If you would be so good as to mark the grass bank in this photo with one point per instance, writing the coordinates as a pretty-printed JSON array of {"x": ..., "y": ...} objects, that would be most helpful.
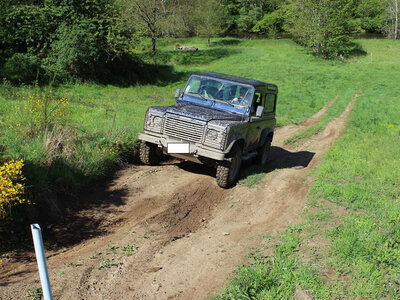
[{"x": 348, "y": 245}]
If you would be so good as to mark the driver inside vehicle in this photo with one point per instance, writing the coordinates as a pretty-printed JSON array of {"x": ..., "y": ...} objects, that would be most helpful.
[{"x": 242, "y": 99}]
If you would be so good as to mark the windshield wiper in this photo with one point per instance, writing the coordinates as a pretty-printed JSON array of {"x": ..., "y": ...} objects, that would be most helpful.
[{"x": 224, "y": 102}]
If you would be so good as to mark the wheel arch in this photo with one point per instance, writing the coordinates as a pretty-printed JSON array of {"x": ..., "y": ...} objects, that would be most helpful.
[
  {"x": 267, "y": 133},
  {"x": 239, "y": 142}
]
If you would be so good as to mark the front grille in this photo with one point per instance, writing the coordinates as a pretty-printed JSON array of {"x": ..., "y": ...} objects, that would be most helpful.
[{"x": 183, "y": 128}]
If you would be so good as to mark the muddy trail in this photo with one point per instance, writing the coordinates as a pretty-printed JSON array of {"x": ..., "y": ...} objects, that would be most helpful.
[{"x": 169, "y": 232}]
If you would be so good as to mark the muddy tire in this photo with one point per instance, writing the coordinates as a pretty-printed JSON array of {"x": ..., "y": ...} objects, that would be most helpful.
[
  {"x": 150, "y": 154},
  {"x": 263, "y": 152},
  {"x": 228, "y": 172}
]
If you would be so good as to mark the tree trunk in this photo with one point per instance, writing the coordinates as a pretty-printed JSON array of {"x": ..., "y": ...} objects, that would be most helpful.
[
  {"x": 209, "y": 38},
  {"x": 153, "y": 44},
  {"x": 396, "y": 22}
]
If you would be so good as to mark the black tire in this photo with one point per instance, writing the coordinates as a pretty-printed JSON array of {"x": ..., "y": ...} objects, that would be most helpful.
[
  {"x": 150, "y": 154},
  {"x": 228, "y": 172},
  {"x": 263, "y": 152}
]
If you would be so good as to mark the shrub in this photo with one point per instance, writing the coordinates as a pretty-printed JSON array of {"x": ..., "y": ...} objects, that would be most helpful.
[
  {"x": 323, "y": 26},
  {"x": 21, "y": 67},
  {"x": 43, "y": 110},
  {"x": 11, "y": 187}
]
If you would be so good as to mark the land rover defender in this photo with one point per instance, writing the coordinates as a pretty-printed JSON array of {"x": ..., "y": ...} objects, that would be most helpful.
[{"x": 218, "y": 120}]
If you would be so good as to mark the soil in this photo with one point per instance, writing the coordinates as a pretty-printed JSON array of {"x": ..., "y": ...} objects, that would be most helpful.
[{"x": 169, "y": 232}]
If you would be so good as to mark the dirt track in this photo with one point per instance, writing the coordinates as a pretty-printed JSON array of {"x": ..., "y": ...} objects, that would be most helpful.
[{"x": 189, "y": 233}]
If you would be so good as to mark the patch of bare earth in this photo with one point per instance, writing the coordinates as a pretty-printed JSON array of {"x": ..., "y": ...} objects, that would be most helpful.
[{"x": 183, "y": 232}]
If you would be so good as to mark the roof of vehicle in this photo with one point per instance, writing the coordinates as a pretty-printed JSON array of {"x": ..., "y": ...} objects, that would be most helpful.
[{"x": 253, "y": 82}]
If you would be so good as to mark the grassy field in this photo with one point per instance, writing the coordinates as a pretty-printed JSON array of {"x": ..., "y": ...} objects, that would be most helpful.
[
  {"x": 348, "y": 247},
  {"x": 349, "y": 244}
]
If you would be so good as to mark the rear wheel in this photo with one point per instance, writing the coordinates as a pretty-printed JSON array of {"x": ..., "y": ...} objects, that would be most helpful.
[
  {"x": 150, "y": 154},
  {"x": 263, "y": 152},
  {"x": 228, "y": 172}
]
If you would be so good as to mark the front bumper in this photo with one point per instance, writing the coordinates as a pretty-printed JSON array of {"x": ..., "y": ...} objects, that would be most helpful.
[{"x": 195, "y": 149}]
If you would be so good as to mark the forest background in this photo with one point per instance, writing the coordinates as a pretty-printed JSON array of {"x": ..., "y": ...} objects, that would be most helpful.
[{"x": 53, "y": 41}]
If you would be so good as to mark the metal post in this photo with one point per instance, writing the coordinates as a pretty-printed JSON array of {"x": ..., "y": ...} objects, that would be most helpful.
[{"x": 41, "y": 261}]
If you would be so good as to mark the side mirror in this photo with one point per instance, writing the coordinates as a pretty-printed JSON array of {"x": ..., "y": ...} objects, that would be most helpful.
[
  {"x": 259, "y": 111},
  {"x": 177, "y": 93}
]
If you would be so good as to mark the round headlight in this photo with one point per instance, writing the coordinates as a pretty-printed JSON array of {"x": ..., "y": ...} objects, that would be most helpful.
[
  {"x": 157, "y": 121},
  {"x": 212, "y": 134}
]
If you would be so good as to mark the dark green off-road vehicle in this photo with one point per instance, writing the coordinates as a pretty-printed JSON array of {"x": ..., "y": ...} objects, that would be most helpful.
[{"x": 218, "y": 120}]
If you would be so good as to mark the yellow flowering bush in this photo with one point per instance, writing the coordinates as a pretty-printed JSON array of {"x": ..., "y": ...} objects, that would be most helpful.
[
  {"x": 43, "y": 109},
  {"x": 11, "y": 187}
]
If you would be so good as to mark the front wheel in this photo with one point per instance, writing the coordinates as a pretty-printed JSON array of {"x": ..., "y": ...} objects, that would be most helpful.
[
  {"x": 150, "y": 154},
  {"x": 228, "y": 173},
  {"x": 263, "y": 152}
]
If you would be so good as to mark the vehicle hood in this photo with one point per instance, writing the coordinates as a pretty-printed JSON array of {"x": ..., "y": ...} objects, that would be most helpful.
[{"x": 202, "y": 113}]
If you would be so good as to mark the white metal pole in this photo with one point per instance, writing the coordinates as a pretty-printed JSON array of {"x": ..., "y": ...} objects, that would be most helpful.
[{"x": 41, "y": 261}]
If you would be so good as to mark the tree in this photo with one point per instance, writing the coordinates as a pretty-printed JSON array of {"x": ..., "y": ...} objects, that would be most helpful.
[
  {"x": 393, "y": 18},
  {"x": 249, "y": 14},
  {"x": 59, "y": 38},
  {"x": 180, "y": 19},
  {"x": 371, "y": 15},
  {"x": 242, "y": 15},
  {"x": 146, "y": 17},
  {"x": 272, "y": 23},
  {"x": 209, "y": 16},
  {"x": 322, "y": 25}
]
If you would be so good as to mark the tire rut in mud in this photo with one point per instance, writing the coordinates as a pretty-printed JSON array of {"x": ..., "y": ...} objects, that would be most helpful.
[{"x": 189, "y": 210}]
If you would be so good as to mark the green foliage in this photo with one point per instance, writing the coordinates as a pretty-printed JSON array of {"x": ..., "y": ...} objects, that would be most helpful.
[
  {"x": 372, "y": 15},
  {"x": 209, "y": 16},
  {"x": 322, "y": 25},
  {"x": 242, "y": 15},
  {"x": 21, "y": 67},
  {"x": 271, "y": 24},
  {"x": 60, "y": 40},
  {"x": 75, "y": 51},
  {"x": 145, "y": 17}
]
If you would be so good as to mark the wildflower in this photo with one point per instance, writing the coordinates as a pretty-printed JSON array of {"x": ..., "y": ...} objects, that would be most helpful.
[{"x": 11, "y": 188}]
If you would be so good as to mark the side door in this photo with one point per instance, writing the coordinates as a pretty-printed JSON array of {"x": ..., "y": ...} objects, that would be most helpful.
[
  {"x": 269, "y": 119},
  {"x": 256, "y": 124}
]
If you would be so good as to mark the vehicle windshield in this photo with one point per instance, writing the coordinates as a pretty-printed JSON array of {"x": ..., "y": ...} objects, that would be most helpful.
[{"x": 227, "y": 92}]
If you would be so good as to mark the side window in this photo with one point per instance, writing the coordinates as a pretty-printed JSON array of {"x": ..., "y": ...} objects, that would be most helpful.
[
  {"x": 257, "y": 100},
  {"x": 269, "y": 103}
]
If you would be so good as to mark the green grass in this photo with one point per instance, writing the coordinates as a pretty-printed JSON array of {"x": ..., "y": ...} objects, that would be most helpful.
[
  {"x": 333, "y": 112},
  {"x": 353, "y": 254}
]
